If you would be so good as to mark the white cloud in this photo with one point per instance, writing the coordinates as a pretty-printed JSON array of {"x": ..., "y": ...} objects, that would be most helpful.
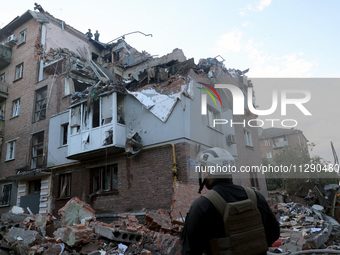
[
  {"x": 261, "y": 62},
  {"x": 230, "y": 41},
  {"x": 259, "y": 7},
  {"x": 263, "y": 4}
]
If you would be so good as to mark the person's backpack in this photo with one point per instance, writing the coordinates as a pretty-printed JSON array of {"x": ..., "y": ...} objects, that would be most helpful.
[{"x": 243, "y": 226}]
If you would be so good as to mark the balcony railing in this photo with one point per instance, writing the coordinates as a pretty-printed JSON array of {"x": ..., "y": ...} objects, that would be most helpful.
[
  {"x": 5, "y": 56},
  {"x": 2, "y": 125},
  {"x": 3, "y": 90}
]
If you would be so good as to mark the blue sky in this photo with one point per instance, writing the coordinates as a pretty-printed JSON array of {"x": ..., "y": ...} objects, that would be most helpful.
[{"x": 274, "y": 38}]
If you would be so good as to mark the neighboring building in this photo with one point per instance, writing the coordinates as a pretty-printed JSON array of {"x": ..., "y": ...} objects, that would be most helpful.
[
  {"x": 274, "y": 140},
  {"x": 35, "y": 92},
  {"x": 106, "y": 123}
]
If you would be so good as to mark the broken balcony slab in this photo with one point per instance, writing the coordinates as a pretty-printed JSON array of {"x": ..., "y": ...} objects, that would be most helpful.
[{"x": 75, "y": 212}]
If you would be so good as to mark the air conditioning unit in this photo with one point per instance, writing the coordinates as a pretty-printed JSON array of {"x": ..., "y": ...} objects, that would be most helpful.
[
  {"x": 231, "y": 139},
  {"x": 11, "y": 38}
]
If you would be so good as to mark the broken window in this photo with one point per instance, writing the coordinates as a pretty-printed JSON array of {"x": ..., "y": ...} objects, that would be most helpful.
[
  {"x": 107, "y": 58},
  {"x": 106, "y": 109},
  {"x": 40, "y": 104},
  {"x": 75, "y": 119},
  {"x": 10, "y": 152},
  {"x": 108, "y": 137},
  {"x": 6, "y": 194},
  {"x": 53, "y": 68},
  {"x": 95, "y": 113},
  {"x": 65, "y": 185},
  {"x": 248, "y": 138},
  {"x": 116, "y": 56},
  {"x": 104, "y": 178},
  {"x": 120, "y": 109},
  {"x": 64, "y": 133},
  {"x": 37, "y": 150},
  {"x": 22, "y": 36},
  {"x": 80, "y": 86},
  {"x": 85, "y": 121},
  {"x": 19, "y": 71},
  {"x": 94, "y": 57},
  {"x": 85, "y": 141},
  {"x": 34, "y": 187},
  {"x": 16, "y": 108}
]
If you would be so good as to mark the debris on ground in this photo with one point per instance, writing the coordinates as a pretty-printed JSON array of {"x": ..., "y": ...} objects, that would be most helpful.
[
  {"x": 307, "y": 221},
  {"x": 78, "y": 232}
]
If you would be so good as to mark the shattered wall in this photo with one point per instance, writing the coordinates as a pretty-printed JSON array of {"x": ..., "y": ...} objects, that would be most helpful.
[{"x": 56, "y": 37}]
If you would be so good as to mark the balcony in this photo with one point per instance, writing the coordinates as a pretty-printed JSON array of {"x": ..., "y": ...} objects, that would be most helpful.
[
  {"x": 97, "y": 131},
  {"x": 3, "y": 91},
  {"x": 5, "y": 56},
  {"x": 2, "y": 125}
]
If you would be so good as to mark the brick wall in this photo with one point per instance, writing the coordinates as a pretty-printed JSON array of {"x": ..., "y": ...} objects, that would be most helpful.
[
  {"x": 20, "y": 126},
  {"x": 144, "y": 181}
]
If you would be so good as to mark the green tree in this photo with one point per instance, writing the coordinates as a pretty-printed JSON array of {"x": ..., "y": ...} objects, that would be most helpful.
[{"x": 306, "y": 171}]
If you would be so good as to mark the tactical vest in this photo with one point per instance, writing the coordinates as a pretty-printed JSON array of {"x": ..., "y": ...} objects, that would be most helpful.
[{"x": 242, "y": 224}]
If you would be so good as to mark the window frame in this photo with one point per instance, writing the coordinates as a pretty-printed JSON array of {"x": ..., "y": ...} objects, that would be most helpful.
[
  {"x": 2, "y": 202},
  {"x": 269, "y": 154},
  {"x": 20, "y": 74},
  {"x": 40, "y": 103},
  {"x": 248, "y": 138},
  {"x": 63, "y": 128},
  {"x": 13, "y": 143},
  {"x": 99, "y": 172},
  {"x": 35, "y": 148},
  {"x": 215, "y": 115},
  {"x": 22, "y": 34},
  {"x": 266, "y": 142},
  {"x": 15, "y": 107},
  {"x": 68, "y": 187}
]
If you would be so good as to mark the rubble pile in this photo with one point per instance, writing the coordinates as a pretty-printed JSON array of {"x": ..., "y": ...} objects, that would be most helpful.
[
  {"x": 78, "y": 232},
  {"x": 306, "y": 225}
]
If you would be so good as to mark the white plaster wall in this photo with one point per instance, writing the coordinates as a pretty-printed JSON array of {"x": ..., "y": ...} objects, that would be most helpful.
[{"x": 56, "y": 153}]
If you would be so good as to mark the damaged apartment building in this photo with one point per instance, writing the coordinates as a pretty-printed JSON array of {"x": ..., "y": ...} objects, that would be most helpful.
[{"x": 116, "y": 127}]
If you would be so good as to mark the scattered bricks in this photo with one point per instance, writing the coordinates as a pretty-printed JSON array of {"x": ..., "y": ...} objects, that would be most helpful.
[
  {"x": 74, "y": 235},
  {"x": 132, "y": 219},
  {"x": 75, "y": 211},
  {"x": 123, "y": 216},
  {"x": 158, "y": 222},
  {"x": 166, "y": 243}
]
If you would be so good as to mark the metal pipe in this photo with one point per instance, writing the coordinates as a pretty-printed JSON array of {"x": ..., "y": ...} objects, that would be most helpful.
[{"x": 174, "y": 169}]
